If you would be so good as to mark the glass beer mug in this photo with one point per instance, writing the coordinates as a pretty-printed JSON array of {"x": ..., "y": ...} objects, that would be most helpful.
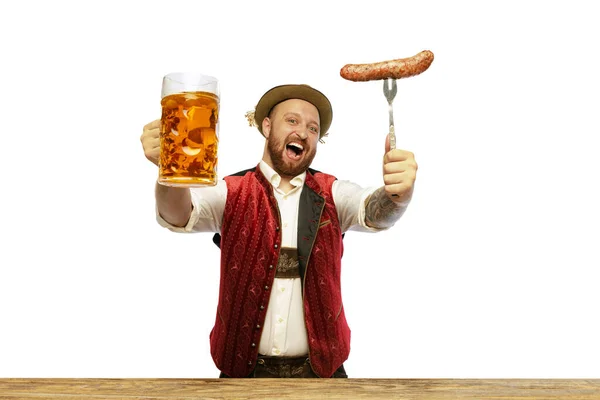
[{"x": 189, "y": 130}]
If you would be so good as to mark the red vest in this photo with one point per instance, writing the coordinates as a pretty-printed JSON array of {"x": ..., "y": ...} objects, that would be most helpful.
[{"x": 250, "y": 244}]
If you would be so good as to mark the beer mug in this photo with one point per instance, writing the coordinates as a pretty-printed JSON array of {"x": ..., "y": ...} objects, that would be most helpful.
[{"x": 189, "y": 130}]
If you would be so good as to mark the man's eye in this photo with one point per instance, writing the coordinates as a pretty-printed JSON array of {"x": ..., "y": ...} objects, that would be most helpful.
[
  {"x": 292, "y": 120},
  {"x": 315, "y": 130}
]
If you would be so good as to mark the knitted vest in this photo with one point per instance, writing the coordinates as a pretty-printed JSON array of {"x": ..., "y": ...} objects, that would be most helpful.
[{"x": 250, "y": 242}]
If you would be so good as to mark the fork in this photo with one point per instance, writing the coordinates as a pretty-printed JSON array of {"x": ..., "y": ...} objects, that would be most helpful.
[{"x": 390, "y": 92}]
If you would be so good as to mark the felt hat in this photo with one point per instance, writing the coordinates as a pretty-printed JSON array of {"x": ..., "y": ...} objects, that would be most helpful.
[{"x": 286, "y": 92}]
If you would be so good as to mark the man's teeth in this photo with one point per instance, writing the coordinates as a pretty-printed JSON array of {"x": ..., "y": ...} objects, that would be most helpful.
[{"x": 296, "y": 145}]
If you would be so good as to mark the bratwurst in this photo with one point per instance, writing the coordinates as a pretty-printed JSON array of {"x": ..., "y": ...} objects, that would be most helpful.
[{"x": 396, "y": 69}]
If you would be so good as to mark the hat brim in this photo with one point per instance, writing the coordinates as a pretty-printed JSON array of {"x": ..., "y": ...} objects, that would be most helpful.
[{"x": 286, "y": 92}]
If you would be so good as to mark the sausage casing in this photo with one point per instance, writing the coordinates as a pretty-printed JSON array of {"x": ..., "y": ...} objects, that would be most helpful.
[{"x": 396, "y": 69}]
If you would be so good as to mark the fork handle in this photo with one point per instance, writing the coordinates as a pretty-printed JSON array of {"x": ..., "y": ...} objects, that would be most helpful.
[{"x": 393, "y": 143}]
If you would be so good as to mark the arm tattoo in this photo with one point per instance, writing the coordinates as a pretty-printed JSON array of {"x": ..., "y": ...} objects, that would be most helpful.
[{"x": 381, "y": 212}]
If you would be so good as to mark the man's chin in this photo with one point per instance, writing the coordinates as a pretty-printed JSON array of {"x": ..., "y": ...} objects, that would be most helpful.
[
  {"x": 291, "y": 168},
  {"x": 292, "y": 171}
]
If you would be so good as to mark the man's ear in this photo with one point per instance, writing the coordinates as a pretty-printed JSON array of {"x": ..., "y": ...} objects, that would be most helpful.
[{"x": 266, "y": 127}]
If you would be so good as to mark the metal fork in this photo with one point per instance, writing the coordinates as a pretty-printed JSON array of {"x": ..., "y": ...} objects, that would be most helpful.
[{"x": 390, "y": 93}]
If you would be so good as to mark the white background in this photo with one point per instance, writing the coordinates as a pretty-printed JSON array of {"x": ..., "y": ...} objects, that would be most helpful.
[{"x": 492, "y": 272}]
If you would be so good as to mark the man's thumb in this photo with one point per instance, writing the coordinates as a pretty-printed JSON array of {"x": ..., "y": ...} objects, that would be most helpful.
[{"x": 387, "y": 143}]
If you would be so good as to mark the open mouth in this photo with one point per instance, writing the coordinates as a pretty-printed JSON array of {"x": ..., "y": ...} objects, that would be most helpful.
[{"x": 294, "y": 150}]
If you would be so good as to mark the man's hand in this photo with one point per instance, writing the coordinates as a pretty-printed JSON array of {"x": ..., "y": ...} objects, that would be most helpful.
[
  {"x": 151, "y": 141},
  {"x": 387, "y": 204},
  {"x": 399, "y": 173},
  {"x": 174, "y": 204}
]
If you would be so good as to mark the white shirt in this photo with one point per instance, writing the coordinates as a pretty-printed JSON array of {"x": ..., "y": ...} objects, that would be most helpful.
[{"x": 284, "y": 330}]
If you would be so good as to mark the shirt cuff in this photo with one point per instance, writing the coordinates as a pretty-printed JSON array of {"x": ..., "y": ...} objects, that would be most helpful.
[
  {"x": 189, "y": 227},
  {"x": 362, "y": 212}
]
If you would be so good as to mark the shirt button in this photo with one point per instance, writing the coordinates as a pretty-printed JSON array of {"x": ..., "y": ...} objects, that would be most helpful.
[
  {"x": 280, "y": 320},
  {"x": 285, "y": 225},
  {"x": 277, "y": 351}
]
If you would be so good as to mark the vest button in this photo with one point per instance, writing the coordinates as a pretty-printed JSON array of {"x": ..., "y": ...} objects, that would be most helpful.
[
  {"x": 253, "y": 344},
  {"x": 266, "y": 287},
  {"x": 249, "y": 362},
  {"x": 276, "y": 246},
  {"x": 276, "y": 228},
  {"x": 271, "y": 266},
  {"x": 257, "y": 326},
  {"x": 262, "y": 307}
]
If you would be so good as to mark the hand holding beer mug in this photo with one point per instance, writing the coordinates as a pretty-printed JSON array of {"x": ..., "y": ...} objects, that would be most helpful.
[{"x": 189, "y": 130}]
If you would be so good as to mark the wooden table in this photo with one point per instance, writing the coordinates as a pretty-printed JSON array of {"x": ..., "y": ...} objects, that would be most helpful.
[{"x": 132, "y": 389}]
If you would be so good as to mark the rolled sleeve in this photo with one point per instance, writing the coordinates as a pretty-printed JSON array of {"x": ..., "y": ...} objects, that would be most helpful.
[
  {"x": 350, "y": 202},
  {"x": 208, "y": 205}
]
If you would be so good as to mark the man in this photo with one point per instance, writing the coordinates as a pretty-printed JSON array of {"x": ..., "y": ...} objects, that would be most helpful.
[{"x": 279, "y": 226}]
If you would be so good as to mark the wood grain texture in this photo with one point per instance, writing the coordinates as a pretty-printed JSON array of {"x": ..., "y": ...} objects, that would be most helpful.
[{"x": 251, "y": 389}]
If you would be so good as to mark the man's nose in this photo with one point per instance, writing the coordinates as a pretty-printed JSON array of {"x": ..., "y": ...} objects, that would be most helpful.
[{"x": 303, "y": 132}]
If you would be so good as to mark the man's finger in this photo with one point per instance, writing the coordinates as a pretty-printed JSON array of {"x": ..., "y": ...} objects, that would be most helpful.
[
  {"x": 397, "y": 155},
  {"x": 391, "y": 179},
  {"x": 398, "y": 188},
  {"x": 153, "y": 143},
  {"x": 394, "y": 167},
  {"x": 153, "y": 124}
]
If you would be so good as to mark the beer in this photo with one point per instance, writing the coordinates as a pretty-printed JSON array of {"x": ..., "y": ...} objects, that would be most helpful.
[{"x": 189, "y": 139}]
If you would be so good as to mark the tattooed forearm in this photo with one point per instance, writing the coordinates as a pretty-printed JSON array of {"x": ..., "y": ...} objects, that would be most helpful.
[{"x": 381, "y": 212}]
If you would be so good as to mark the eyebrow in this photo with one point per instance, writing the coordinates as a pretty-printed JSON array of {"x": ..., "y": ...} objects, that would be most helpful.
[{"x": 312, "y": 121}]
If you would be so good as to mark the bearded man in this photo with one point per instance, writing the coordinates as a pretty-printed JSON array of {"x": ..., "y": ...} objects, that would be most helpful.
[{"x": 279, "y": 226}]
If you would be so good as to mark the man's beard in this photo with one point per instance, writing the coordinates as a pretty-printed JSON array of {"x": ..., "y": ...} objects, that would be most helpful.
[{"x": 287, "y": 167}]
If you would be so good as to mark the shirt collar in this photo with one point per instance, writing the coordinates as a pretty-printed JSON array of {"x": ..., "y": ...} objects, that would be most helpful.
[{"x": 275, "y": 179}]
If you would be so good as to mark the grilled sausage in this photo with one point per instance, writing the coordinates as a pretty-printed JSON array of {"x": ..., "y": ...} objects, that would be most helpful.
[{"x": 397, "y": 69}]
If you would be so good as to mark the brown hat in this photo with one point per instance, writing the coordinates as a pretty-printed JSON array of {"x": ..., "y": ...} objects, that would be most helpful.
[{"x": 286, "y": 92}]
